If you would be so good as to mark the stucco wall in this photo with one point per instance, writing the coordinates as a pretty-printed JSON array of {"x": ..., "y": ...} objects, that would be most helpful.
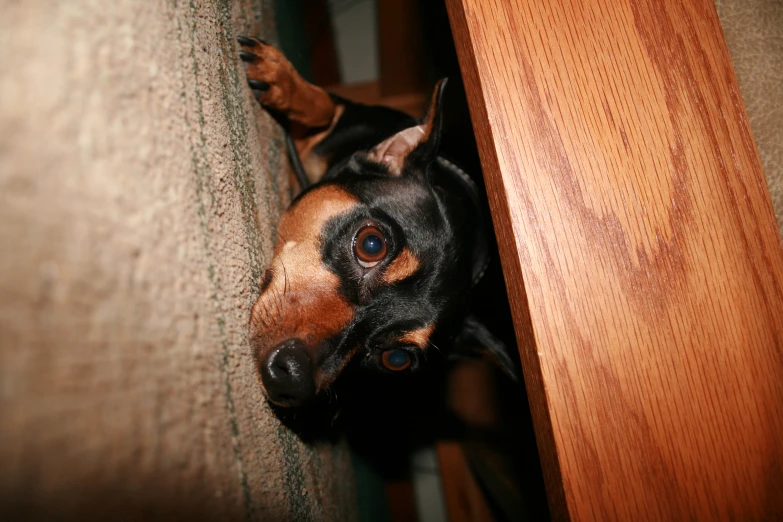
[
  {"x": 754, "y": 35},
  {"x": 139, "y": 188}
]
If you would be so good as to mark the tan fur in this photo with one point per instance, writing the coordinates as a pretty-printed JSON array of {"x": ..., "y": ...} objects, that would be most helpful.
[
  {"x": 310, "y": 110},
  {"x": 419, "y": 337},
  {"x": 315, "y": 166},
  {"x": 303, "y": 103},
  {"x": 393, "y": 151},
  {"x": 404, "y": 265},
  {"x": 429, "y": 120},
  {"x": 302, "y": 301}
]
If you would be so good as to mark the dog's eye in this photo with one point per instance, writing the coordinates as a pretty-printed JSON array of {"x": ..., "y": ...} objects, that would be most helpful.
[
  {"x": 369, "y": 246},
  {"x": 396, "y": 360}
]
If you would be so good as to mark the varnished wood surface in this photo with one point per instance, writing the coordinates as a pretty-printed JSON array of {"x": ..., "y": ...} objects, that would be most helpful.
[
  {"x": 640, "y": 251},
  {"x": 400, "y": 48},
  {"x": 414, "y": 103},
  {"x": 464, "y": 499},
  {"x": 402, "y": 501}
]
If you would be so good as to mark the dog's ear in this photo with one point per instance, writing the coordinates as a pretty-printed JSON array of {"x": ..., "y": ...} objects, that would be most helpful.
[
  {"x": 476, "y": 341},
  {"x": 418, "y": 143}
]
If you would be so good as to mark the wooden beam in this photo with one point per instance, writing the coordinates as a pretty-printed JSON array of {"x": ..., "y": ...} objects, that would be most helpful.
[
  {"x": 401, "y": 54},
  {"x": 640, "y": 250},
  {"x": 414, "y": 103},
  {"x": 465, "y": 502}
]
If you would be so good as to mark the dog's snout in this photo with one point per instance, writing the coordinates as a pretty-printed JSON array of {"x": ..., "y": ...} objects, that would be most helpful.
[{"x": 288, "y": 375}]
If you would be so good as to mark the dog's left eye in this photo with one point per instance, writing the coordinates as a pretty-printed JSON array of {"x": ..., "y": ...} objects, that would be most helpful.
[{"x": 369, "y": 245}]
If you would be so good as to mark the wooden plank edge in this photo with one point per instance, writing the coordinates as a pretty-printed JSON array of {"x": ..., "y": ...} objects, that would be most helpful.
[{"x": 512, "y": 271}]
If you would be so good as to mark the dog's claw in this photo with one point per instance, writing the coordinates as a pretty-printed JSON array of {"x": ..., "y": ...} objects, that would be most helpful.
[
  {"x": 244, "y": 40},
  {"x": 247, "y": 56},
  {"x": 258, "y": 85}
]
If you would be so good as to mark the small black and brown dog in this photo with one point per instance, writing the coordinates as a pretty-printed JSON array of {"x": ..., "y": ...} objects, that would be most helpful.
[
  {"x": 376, "y": 260},
  {"x": 378, "y": 282}
]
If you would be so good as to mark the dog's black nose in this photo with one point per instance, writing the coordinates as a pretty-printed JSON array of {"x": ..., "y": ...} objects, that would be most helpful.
[{"x": 288, "y": 375}]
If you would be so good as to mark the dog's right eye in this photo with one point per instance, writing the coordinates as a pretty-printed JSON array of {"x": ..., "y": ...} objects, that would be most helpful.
[
  {"x": 369, "y": 246},
  {"x": 396, "y": 360}
]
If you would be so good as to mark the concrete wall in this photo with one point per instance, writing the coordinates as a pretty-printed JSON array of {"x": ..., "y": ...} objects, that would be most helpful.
[{"x": 139, "y": 188}]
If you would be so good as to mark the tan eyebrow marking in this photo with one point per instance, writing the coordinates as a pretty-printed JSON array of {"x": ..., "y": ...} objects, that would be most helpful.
[
  {"x": 405, "y": 265},
  {"x": 303, "y": 221},
  {"x": 419, "y": 337}
]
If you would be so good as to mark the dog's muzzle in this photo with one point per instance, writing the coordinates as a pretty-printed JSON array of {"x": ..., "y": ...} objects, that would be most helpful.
[{"x": 287, "y": 374}]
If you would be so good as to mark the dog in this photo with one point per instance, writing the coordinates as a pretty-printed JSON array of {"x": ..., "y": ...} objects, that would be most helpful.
[
  {"x": 383, "y": 267},
  {"x": 376, "y": 260}
]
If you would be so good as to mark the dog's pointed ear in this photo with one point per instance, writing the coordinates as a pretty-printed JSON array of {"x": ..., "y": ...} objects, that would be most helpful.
[
  {"x": 419, "y": 143},
  {"x": 476, "y": 341}
]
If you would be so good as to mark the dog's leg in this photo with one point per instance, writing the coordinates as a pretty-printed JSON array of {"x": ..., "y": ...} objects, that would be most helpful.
[
  {"x": 308, "y": 112},
  {"x": 326, "y": 129},
  {"x": 281, "y": 90}
]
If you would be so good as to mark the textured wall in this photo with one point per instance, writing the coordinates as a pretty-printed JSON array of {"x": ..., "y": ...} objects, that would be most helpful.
[
  {"x": 754, "y": 35},
  {"x": 139, "y": 188}
]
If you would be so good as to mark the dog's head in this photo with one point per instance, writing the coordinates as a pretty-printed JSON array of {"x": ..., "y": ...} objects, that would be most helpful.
[{"x": 372, "y": 268}]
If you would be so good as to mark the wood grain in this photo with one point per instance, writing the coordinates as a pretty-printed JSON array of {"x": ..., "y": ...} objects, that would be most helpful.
[
  {"x": 402, "y": 501},
  {"x": 464, "y": 499},
  {"x": 401, "y": 56},
  {"x": 640, "y": 252},
  {"x": 413, "y": 103}
]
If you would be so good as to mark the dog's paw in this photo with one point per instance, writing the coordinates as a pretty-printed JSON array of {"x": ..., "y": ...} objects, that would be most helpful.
[{"x": 269, "y": 73}]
